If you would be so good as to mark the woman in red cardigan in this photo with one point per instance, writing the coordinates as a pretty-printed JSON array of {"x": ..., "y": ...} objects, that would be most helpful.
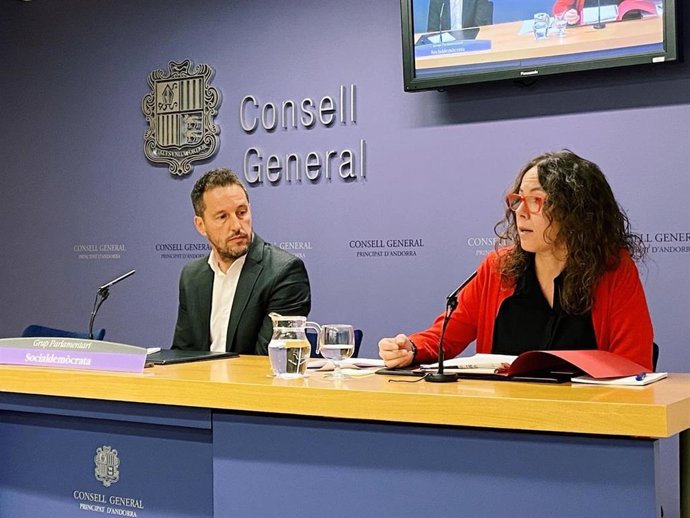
[
  {"x": 572, "y": 9},
  {"x": 566, "y": 279}
]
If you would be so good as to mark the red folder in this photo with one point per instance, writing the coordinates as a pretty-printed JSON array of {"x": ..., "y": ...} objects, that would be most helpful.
[{"x": 597, "y": 364}]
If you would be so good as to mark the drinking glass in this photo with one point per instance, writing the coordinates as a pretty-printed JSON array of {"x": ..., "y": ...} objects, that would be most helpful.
[
  {"x": 336, "y": 343},
  {"x": 560, "y": 24},
  {"x": 541, "y": 25}
]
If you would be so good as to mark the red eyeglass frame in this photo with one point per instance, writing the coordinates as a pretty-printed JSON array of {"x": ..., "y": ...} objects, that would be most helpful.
[{"x": 514, "y": 197}]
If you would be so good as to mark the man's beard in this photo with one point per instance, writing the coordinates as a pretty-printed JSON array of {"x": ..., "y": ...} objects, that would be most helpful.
[{"x": 231, "y": 254}]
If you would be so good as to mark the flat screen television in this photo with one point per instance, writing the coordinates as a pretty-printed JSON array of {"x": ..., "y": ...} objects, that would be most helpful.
[{"x": 452, "y": 42}]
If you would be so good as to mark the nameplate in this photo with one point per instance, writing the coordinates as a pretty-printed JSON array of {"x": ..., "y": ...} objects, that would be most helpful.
[
  {"x": 451, "y": 47},
  {"x": 72, "y": 353}
]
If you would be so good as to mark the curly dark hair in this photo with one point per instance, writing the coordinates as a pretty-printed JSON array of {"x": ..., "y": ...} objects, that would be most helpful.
[
  {"x": 214, "y": 178},
  {"x": 593, "y": 226}
]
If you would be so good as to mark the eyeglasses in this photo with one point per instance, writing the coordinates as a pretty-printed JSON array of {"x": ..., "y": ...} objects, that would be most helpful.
[{"x": 534, "y": 204}]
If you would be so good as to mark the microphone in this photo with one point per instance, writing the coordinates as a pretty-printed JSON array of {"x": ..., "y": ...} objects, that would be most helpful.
[
  {"x": 103, "y": 293},
  {"x": 451, "y": 304},
  {"x": 599, "y": 25},
  {"x": 115, "y": 281},
  {"x": 440, "y": 23}
]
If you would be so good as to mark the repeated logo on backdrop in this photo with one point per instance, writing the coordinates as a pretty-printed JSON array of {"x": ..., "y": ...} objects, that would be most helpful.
[
  {"x": 190, "y": 251},
  {"x": 186, "y": 251},
  {"x": 666, "y": 242},
  {"x": 99, "y": 251},
  {"x": 481, "y": 245},
  {"x": 386, "y": 248},
  {"x": 655, "y": 242},
  {"x": 296, "y": 248}
]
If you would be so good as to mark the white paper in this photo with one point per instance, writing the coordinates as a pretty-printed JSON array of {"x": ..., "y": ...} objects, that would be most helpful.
[
  {"x": 590, "y": 15},
  {"x": 357, "y": 372},
  {"x": 350, "y": 363},
  {"x": 629, "y": 381},
  {"x": 444, "y": 37},
  {"x": 477, "y": 361}
]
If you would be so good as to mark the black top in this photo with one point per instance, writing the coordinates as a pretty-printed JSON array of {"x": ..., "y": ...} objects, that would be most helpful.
[
  {"x": 594, "y": 3},
  {"x": 526, "y": 322}
]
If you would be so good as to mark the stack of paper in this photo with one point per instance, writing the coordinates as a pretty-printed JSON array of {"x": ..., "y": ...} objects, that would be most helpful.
[
  {"x": 480, "y": 361},
  {"x": 629, "y": 381}
]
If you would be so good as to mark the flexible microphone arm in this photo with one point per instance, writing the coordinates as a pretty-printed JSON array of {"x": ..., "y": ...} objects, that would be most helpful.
[
  {"x": 440, "y": 23},
  {"x": 599, "y": 25},
  {"x": 102, "y": 294},
  {"x": 451, "y": 304}
]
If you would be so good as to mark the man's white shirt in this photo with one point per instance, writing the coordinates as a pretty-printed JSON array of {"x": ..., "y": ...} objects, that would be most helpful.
[
  {"x": 456, "y": 14},
  {"x": 224, "y": 289}
]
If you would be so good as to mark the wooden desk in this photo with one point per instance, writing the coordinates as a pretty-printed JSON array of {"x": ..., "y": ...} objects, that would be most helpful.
[
  {"x": 238, "y": 409},
  {"x": 658, "y": 410},
  {"x": 508, "y": 44}
]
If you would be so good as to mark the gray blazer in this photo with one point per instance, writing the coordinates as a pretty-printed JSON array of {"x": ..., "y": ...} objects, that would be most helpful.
[{"x": 271, "y": 280}]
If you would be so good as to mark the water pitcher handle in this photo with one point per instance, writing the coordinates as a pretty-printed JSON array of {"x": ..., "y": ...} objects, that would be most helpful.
[{"x": 317, "y": 328}]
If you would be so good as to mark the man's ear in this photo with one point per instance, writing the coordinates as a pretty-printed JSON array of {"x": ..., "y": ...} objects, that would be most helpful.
[{"x": 199, "y": 224}]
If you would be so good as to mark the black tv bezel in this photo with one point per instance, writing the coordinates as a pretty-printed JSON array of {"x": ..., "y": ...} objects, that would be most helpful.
[{"x": 412, "y": 83}]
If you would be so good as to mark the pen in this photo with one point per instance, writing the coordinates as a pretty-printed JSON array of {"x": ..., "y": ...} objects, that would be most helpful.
[{"x": 641, "y": 376}]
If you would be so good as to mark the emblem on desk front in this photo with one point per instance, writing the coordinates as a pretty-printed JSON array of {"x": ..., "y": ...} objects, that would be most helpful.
[
  {"x": 180, "y": 110},
  {"x": 107, "y": 464}
]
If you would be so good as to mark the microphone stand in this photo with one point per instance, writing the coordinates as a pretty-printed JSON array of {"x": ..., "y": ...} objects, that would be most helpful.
[
  {"x": 599, "y": 25},
  {"x": 102, "y": 294},
  {"x": 440, "y": 24},
  {"x": 451, "y": 304}
]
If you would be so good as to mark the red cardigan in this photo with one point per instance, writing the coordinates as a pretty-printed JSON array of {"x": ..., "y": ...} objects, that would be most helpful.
[
  {"x": 564, "y": 5},
  {"x": 620, "y": 315},
  {"x": 561, "y": 6}
]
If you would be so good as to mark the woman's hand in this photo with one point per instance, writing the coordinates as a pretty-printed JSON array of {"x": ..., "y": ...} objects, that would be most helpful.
[
  {"x": 571, "y": 16},
  {"x": 396, "y": 352}
]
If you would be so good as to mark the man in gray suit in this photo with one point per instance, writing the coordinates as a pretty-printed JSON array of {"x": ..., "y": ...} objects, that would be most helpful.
[
  {"x": 225, "y": 298},
  {"x": 447, "y": 15}
]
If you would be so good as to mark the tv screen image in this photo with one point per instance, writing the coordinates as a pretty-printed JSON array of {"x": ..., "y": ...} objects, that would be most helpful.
[{"x": 452, "y": 42}]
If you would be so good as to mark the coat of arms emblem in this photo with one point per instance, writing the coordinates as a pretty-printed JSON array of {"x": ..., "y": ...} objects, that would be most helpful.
[
  {"x": 107, "y": 464},
  {"x": 180, "y": 110}
]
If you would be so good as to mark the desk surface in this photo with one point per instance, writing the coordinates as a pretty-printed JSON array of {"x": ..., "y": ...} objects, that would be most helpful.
[{"x": 659, "y": 410}]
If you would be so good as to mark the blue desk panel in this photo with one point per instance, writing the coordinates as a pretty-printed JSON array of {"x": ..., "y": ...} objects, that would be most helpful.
[
  {"x": 273, "y": 466},
  {"x": 184, "y": 462},
  {"x": 48, "y": 462}
]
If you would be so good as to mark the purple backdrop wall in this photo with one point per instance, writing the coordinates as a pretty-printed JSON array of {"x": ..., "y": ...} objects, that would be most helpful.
[{"x": 436, "y": 164}]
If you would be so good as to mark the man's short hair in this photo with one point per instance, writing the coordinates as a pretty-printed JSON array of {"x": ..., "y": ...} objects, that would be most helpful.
[{"x": 214, "y": 178}]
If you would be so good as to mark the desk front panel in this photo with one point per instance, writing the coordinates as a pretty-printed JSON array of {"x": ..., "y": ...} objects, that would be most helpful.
[
  {"x": 87, "y": 461},
  {"x": 279, "y": 466}
]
